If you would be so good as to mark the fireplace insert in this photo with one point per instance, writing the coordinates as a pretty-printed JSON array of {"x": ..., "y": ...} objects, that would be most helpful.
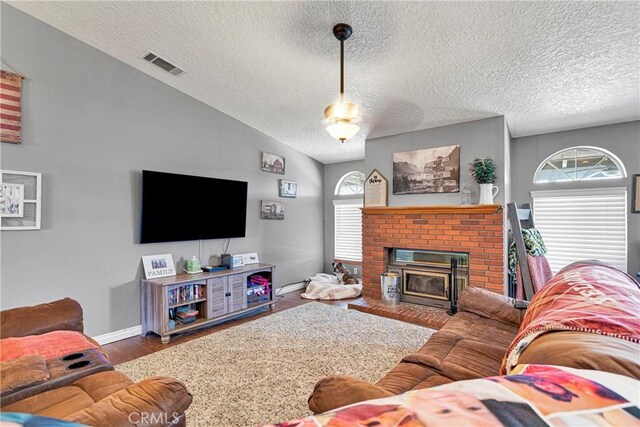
[
  {"x": 432, "y": 278},
  {"x": 426, "y": 283}
]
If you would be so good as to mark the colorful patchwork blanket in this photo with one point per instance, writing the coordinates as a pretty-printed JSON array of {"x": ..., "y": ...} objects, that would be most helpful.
[
  {"x": 535, "y": 395},
  {"x": 586, "y": 296}
]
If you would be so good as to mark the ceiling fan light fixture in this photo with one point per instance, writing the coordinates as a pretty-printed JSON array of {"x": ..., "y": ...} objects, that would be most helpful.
[
  {"x": 342, "y": 130},
  {"x": 342, "y": 113},
  {"x": 342, "y": 110}
]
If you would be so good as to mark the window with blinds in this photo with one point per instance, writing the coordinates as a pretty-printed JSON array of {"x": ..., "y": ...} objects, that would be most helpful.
[
  {"x": 583, "y": 224},
  {"x": 348, "y": 230}
]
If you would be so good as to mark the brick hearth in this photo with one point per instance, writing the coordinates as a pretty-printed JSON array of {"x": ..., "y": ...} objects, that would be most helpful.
[
  {"x": 422, "y": 315},
  {"x": 475, "y": 229}
]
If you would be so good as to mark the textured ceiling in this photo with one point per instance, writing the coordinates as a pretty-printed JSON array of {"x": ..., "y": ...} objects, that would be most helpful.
[{"x": 546, "y": 66}]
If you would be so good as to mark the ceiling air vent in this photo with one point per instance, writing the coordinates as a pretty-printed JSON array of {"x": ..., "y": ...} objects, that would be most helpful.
[{"x": 164, "y": 64}]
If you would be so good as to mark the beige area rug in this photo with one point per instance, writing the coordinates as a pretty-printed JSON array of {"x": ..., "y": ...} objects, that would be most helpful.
[{"x": 263, "y": 371}]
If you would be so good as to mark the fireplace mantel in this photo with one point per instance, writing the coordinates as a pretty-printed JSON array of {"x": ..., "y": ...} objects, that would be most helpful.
[{"x": 434, "y": 209}]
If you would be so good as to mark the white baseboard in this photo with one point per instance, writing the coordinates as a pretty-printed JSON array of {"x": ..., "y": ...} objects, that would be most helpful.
[
  {"x": 118, "y": 335},
  {"x": 291, "y": 288}
]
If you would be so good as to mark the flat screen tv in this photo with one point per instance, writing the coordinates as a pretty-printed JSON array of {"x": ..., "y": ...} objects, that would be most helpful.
[{"x": 184, "y": 207}]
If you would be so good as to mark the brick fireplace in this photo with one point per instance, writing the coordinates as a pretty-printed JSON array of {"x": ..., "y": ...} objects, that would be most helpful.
[{"x": 476, "y": 230}]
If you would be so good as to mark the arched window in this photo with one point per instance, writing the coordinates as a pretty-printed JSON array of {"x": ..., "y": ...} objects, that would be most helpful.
[
  {"x": 581, "y": 221},
  {"x": 348, "y": 217},
  {"x": 350, "y": 184},
  {"x": 579, "y": 164}
]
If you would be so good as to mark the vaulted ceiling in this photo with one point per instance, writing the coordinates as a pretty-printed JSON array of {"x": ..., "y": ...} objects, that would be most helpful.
[{"x": 546, "y": 66}]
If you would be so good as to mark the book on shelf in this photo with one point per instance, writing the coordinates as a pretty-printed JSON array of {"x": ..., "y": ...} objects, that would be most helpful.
[
  {"x": 186, "y": 311},
  {"x": 186, "y": 293},
  {"x": 186, "y": 320},
  {"x": 193, "y": 313}
]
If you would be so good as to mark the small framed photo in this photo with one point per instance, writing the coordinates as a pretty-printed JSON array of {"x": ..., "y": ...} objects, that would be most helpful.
[
  {"x": 158, "y": 266},
  {"x": 288, "y": 188},
  {"x": 271, "y": 210},
  {"x": 273, "y": 163},
  {"x": 11, "y": 200},
  {"x": 635, "y": 195}
]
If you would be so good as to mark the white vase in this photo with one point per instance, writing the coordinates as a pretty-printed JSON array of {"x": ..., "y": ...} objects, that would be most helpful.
[{"x": 487, "y": 193}]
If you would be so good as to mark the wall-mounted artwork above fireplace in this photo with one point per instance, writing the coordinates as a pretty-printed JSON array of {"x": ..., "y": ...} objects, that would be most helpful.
[{"x": 434, "y": 170}]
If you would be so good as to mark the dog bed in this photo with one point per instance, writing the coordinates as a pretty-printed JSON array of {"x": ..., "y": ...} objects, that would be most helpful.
[{"x": 327, "y": 287}]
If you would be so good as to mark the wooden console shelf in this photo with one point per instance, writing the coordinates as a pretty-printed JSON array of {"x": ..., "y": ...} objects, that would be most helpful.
[{"x": 216, "y": 296}]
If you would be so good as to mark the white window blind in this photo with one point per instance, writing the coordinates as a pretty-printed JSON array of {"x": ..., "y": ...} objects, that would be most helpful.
[
  {"x": 583, "y": 224},
  {"x": 348, "y": 230}
]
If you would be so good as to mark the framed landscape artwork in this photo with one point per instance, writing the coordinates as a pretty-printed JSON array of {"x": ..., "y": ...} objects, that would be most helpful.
[
  {"x": 288, "y": 188},
  {"x": 272, "y": 163},
  {"x": 433, "y": 170},
  {"x": 271, "y": 210}
]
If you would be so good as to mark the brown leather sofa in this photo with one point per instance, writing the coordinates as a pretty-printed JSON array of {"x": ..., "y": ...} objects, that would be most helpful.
[
  {"x": 471, "y": 345},
  {"x": 106, "y": 398}
]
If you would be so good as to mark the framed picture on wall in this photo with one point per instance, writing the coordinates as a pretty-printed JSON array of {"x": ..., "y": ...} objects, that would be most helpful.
[
  {"x": 288, "y": 188},
  {"x": 20, "y": 200},
  {"x": 273, "y": 163},
  {"x": 271, "y": 210},
  {"x": 433, "y": 170},
  {"x": 11, "y": 200},
  {"x": 635, "y": 195}
]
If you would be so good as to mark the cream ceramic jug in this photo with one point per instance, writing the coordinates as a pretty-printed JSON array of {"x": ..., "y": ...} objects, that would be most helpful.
[{"x": 487, "y": 193}]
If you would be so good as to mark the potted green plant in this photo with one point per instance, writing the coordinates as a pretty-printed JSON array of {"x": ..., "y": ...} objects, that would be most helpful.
[{"x": 484, "y": 172}]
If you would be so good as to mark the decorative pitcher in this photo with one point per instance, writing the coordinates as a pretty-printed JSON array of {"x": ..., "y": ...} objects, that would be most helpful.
[{"x": 487, "y": 194}]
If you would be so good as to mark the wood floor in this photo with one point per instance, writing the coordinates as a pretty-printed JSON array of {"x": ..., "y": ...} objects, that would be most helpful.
[{"x": 134, "y": 347}]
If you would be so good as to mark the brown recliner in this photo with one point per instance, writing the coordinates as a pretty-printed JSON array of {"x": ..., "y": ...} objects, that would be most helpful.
[
  {"x": 470, "y": 345},
  {"x": 107, "y": 398}
]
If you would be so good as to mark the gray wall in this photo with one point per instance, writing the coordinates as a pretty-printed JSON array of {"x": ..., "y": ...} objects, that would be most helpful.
[
  {"x": 332, "y": 173},
  {"x": 480, "y": 138},
  {"x": 91, "y": 124},
  {"x": 621, "y": 139}
]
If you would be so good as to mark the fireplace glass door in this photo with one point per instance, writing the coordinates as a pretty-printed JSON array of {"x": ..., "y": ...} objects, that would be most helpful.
[{"x": 426, "y": 284}]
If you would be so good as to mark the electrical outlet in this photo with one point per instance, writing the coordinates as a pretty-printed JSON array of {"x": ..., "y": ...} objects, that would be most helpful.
[{"x": 355, "y": 271}]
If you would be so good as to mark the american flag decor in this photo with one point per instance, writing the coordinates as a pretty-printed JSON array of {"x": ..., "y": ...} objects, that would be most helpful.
[{"x": 10, "y": 111}]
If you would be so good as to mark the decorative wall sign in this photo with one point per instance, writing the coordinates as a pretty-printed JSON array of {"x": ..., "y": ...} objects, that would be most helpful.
[
  {"x": 376, "y": 190},
  {"x": 20, "y": 200},
  {"x": 158, "y": 266},
  {"x": 288, "y": 188},
  {"x": 10, "y": 107},
  {"x": 272, "y": 163},
  {"x": 434, "y": 170},
  {"x": 271, "y": 210},
  {"x": 635, "y": 195}
]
